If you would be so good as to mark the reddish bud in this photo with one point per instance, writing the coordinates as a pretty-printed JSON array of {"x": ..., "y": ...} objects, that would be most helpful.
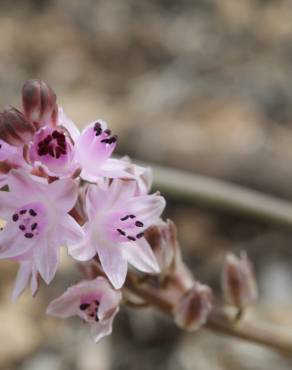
[
  {"x": 238, "y": 281},
  {"x": 39, "y": 103},
  {"x": 163, "y": 242},
  {"x": 14, "y": 127},
  {"x": 194, "y": 308},
  {"x": 175, "y": 276}
]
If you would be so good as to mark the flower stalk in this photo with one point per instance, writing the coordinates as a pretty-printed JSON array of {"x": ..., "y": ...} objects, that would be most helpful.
[
  {"x": 221, "y": 195},
  {"x": 220, "y": 322}
]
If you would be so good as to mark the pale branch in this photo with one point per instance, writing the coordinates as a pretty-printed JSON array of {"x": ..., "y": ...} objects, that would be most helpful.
[
  {"x": 252, "y": 331},
  {"x": 221, "y": 195}
]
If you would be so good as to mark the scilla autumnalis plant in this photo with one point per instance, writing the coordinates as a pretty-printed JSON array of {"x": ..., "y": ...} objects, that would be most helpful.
[{"x": 62, "y": 188}]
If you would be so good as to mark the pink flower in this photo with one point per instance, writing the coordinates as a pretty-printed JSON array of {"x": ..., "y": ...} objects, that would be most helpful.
[
  {"x": 94, "y": 148},
  {"x": 53, "y": 150},
  {"x": 37, "y": 220},
  {"x": 115, "y": 229},
  {"x": 94, "y": 301}
]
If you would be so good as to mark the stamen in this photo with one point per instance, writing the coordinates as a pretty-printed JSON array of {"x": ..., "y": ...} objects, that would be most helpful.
[
  {"x": 33, "y": 226},
  {"x": 139, "y": 224},
  {"x": 23, "y": 211},
  {"x": 32, "y": 212},
  {"x": 28, "y": 235},
  {"x": 83, "y": 306},
  {"x": 107, "y": 132},
  {"x": 131, "y": 238},
  {"x": 121, "y": 232},
  {"x": 127, "y": 216},
  {"x": 15, "y": 217},
  {"x": 140, "y": 235},
  {"x": 22, "y": 227}
]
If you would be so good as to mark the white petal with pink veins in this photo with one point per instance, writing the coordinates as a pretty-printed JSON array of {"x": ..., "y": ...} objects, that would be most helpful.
[
  {"x": 22, "y": 279},
  {"x": 46, "y": 259},
  {"x": 113, "y": 262},
  {"x": 139, "y": 254},
  {"x": 64, "y": 193},
  {"x": 70, "y": 231}
]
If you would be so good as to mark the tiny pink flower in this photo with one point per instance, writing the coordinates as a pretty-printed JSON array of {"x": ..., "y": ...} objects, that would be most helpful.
[
  {"x": 94, "y": 301},
  {"x": 115, "y": 229},
  {"x": 94, "y": 148},
  {"x": 37, "y": 220},
  {"x": 53, "y": 150}
]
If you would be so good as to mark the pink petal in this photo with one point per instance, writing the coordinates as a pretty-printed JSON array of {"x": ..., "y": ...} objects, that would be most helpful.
[
  {"x": 95, "y": 199},
  {"x": 14, "y": 244},
  {"x": 64, "y": 121},
  {"x": 113, "y": 263},
  {"x": 22, "y": 279},
  {"x": 109, "y": 302},
  {"x": 84, "y": 250},
  {"x": 8, "y": 204},
  {"x": 21, "y": 183},
  {"x": 115, "y": 168},
  {"x": 66, "y": 305},
  {"x": 63, "y": 193},
  {"x": 46, "y": 258},
  {"x": 101, "y": 329},
  {"x": 34, "y": 281},
  {"x": 147, "y": 208},
  {"x": 70, "y": 231},
  {"x": 120, "y": 190},
  {"x": 140, "y": 255}
]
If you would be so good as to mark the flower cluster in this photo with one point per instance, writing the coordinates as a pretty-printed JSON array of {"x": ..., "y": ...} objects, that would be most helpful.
[{"x": 62, "y": 188}]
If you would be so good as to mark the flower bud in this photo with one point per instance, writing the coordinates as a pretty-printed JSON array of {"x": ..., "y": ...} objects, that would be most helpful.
[
  {"x": 238, "y": 281},
  {"x": 163, "y": 242},
  {"x": 194, "y": 308},
  {"x": 14, "y": 127},
  {"x": 39, "y": 103},
  {"x": 175, "y": 276}
]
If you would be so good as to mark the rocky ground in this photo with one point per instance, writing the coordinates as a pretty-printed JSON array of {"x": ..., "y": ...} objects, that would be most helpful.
[{"x": 201, "y": 85}]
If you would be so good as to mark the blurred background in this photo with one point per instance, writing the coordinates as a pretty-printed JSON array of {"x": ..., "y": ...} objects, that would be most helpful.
[{"x": 202, "y": 85}]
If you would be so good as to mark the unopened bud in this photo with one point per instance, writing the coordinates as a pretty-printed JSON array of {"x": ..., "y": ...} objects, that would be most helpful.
[
  {"x": 238, "y": 281},
  {"x": 14, "y": 127},
  {"x": 194, "y": 308},
  {"x": 175, "y": 276},
  {"x": 39, "y": 103},
  {"x": 163, "y": 242}
]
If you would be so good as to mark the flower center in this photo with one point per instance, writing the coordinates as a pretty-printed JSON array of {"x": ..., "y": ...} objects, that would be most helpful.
[
  {"x": 129, "y": 228},
  {"x": 30, "y": 220},
  {"x": 90, "y": 309},
  {"x": 53, "y": 144},
  {"x": 105, "y": 135}
]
